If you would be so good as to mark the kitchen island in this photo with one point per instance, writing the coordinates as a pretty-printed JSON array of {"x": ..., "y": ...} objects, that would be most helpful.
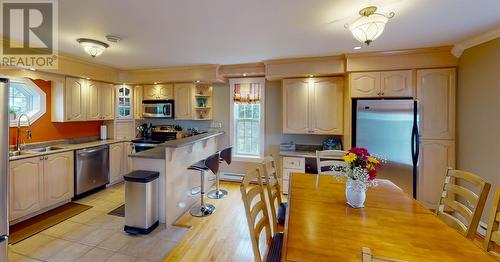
[{"x": 178, "y": 186}]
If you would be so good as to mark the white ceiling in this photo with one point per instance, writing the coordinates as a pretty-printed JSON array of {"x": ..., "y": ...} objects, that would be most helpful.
[{"x": 184, "y": 32}]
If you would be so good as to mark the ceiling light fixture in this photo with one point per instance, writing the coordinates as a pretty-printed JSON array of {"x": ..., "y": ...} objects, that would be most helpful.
[
  {"x": 370, "y": 25},
  {"x": 356, "y": 47},
  {"x": 92, "y": 47}
]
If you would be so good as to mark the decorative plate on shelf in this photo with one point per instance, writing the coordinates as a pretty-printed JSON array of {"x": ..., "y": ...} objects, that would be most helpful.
[{"x": 332, "y": 143}]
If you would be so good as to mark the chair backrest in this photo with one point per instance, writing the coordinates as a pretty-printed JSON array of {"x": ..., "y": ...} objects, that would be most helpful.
[
  {"x": 492, "y": 239},
  {"x": 212, "y": 162},
  {"x": 273, "y": 190},
  {"x": 256, "y": 210},
  {"x": 366, "y": 255},
  {"x": 452, "y": 210},
  {"x": 329, "y": 158},
  {"x": 226, "y": 154}
]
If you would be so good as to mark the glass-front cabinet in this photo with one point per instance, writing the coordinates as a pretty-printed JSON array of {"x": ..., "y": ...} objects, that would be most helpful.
[{"x": 124, "y": 105}]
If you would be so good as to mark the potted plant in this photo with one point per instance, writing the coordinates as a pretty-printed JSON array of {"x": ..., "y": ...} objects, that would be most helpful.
[
  {"x": 12, "y": 114},
  {"x": 361, "y": 170}
]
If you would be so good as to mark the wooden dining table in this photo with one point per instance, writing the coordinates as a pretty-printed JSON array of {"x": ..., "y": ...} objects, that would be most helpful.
[{"x": 320, "y": 226}]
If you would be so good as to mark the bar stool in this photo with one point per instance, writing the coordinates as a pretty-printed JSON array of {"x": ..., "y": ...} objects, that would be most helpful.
[
  {"x": 225, "y": 155},
  {"x": 211, "y": 163}
]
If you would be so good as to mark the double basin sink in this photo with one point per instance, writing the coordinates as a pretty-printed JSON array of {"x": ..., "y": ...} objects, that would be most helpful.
[{"x": 34, "y": 151}]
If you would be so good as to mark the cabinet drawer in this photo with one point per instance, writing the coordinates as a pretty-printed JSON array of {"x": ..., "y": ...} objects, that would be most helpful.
[
  {"x": 294, "y": 163},
  {"x": 284, "y": 188},
  {"x": 288, "y": 172}
]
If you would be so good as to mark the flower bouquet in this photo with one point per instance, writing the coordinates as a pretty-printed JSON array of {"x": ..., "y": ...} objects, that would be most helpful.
[{"x": 361, "y": 170}]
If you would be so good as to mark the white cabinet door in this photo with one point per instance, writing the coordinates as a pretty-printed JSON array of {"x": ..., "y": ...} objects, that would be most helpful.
[
  {"x": 183, "y": 100},
  {"x": 107, "y": 101},
  {"x": 75, "y": 95},
  {"x": 128, "y": 160},
  {"x": 327, "y": 101},
  {"x": 25, "y": 187},
  {"x": 115, "y": 162},
  {"x": 436, "y": 156},
  {"x": 138, "y": 97},
  {"x": 295, "y": 93},
  {"x": 124, "y": 103},
  {"x": 436, "y": 94},
  {"x": 58, "y": 178},
  {"x": 94, "y": 94},
  {"x": 397, "y": 83},
  {"x": 365, "y": 84}
]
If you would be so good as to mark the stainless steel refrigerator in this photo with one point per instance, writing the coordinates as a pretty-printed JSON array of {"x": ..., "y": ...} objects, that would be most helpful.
[
  {"x": 389, "y": 128},
  {"x": 4, "y": 166}
]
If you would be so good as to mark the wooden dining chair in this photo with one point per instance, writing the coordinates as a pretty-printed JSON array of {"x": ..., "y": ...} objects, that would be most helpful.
[
  {"x": 276, "y": 205},
  {"x": 367, "y": 256},
  {"x": 328, "y": 159},
  {"x": 459, "y": 206},
  {"x": 492, "y": 240},
  {"x": 258, "y": 218}
]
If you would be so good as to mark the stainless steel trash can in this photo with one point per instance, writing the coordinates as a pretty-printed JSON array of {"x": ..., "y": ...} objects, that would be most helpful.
[{"x": 141, "y": 201}]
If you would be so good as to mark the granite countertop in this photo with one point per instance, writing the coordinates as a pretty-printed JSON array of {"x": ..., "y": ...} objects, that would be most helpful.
[
  {"x": 159, "y": 151},
  {"x": 65, "y": 147}
]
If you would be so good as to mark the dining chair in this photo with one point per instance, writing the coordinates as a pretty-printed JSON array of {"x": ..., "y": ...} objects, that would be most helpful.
[
  {"x": 257, "y": 215},
  {"x": 492, "y": 240},
  {"x": 276, "y": 205},
  {"x": 460, "y": 207},
  {"x": 367, "y": 256},
  {"x": 328, "y": 159}
]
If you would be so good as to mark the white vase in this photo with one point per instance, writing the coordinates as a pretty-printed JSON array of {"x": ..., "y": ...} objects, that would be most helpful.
[{"x": 355, "y": 193}]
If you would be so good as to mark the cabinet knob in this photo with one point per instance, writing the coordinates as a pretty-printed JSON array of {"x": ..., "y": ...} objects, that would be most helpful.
[
  {"x": 46, "y": 158},
  {"x": 41, "y": 158}
]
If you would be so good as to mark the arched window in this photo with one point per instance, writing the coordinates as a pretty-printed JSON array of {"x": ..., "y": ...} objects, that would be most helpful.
[{"x": 25, "y": 98}]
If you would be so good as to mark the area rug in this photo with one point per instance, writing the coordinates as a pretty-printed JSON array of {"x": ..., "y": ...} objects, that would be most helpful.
[
  {"x": 119, "y": 211},
  {"x": 37, "y": 224}
]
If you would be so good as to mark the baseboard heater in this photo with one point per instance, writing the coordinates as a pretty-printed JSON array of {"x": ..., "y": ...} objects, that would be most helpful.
[{"x": 236, "y": 177}]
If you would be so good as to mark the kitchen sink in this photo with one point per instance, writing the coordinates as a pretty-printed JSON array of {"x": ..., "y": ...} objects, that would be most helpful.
[{"x": 34, "y": 151}]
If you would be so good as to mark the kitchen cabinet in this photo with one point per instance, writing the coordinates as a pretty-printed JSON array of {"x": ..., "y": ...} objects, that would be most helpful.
[
  {"x": 25, "y": 187},
  {"x": 313, "y": 106},
  {"x": 291, "y": 165},
  {"x": 436, "y": 93},
  {"x": 128, "y": 160},
  {"x": 100, "y": 101},
  {"x": 183, "y": 93},
  {"x": 74, "y": 99},
  {"x": 58, "y": 179},
  {"x": 124, "y": 100},
  {"x": 382, "y": 84},
  {"x": 107, "y": 107},
  {"x": 436, "y": 156},
  {"x": 138, "y": 97},
  {"x": 116, "y": 163},
  {"x": 158, "y": 91},
  {"x": 40, "y": 182}
]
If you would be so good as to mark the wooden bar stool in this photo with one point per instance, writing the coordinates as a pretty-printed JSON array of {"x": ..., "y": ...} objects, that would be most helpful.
[
  {"x": 218, "y": 193},
  {"x": 212, "y": 164}
]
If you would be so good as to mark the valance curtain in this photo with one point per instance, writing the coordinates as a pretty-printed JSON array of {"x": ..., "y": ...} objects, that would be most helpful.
[{"x": 246, "y": 93}]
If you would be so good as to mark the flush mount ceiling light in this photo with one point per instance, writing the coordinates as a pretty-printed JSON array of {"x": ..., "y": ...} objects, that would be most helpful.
[
  {"x": 92, "y": 47},
  {"x": 369, "y": 26}
]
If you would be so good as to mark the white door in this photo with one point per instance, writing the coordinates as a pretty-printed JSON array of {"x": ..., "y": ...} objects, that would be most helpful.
[
  {"x": 295, "y": 93},
  {"x": 183, "y": 101},
  {"x": 75, "y": 99},
  {"x": 115, "y": 162},
  {"x": 327, "y": 101},
  {"x": 25, "y": 187},
  {"x": 58, "y": 177}
]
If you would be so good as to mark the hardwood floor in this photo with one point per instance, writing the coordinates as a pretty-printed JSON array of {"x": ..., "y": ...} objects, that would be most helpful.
[{"x": 223, "y": 236}]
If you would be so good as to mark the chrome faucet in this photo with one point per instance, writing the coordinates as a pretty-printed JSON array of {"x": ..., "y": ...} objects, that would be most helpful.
[{"x": 18, "y": 146}]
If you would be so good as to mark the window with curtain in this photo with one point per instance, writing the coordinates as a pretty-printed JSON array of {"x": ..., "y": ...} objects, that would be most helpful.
[
  {"x": 247, "y": 115},
  {"x": 25, "y": 98}
]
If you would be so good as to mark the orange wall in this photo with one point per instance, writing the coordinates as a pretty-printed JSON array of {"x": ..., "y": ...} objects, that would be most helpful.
[{"x": 44, "y": 130}]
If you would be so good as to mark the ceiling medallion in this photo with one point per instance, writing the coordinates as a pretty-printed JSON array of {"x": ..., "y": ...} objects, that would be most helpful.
[
  {"x": 370, "y": 25},
  {"x": 92, "y": 47}
]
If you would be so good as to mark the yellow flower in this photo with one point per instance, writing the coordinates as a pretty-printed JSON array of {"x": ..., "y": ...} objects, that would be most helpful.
[
  {"x": 349, "y": 158},
  {"x": 373, "y": 160}
]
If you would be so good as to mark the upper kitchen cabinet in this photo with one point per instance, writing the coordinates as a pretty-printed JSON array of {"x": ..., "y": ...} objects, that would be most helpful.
[
  {"x": 124, "y": 106},
  {"x": 100, "y": 101},
  {"x": 382, "y": 84},
  {"x": 183, "y": 101},
  {"x": 313, "y": 106},
  {"x": 74, "y": 99},
  {"x": 436, "y": 94},
  {"x": 107, "y": 92},
  {"x": 138, "y": 97},
  {"x": 159, "y": 91}
]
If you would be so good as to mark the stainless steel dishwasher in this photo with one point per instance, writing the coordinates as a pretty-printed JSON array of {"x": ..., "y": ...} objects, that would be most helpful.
[{"x": 92, "y": 168}]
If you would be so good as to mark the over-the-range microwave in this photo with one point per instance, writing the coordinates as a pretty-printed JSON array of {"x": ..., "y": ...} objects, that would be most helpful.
[{"x": 158, "y": 108}]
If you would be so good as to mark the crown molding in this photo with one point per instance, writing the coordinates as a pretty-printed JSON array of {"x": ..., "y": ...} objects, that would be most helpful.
[{"x": 459, "y": 48}]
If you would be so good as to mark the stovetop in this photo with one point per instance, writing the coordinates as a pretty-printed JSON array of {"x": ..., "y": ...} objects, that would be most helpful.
[{"x": 147, "y": 141}]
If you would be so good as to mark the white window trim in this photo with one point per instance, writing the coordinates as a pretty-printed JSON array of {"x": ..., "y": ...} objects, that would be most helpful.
[
  {"x": 43, "y": 102},
  {"x": 262, "y": 82}
]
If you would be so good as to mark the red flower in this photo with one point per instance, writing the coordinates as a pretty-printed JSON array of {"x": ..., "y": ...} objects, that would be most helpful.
[
  {"x": 359, "y": 151},
  {"x": 372, "y": 174}
]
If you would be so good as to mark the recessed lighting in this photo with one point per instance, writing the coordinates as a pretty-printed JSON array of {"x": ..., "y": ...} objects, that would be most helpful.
[
  {"x": 356, "y": 47},
  {"x": 244, "y": 74},
  {"x": 32, "y": 69},
  {"x": 311, "y": 75},
  {"x": 88, "y": 78},
  {"x": 197, "y": 81},
  {"x": 155, "y": 83}
]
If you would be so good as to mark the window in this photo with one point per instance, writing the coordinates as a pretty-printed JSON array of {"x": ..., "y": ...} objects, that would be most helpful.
[
  {"x": 25, "y": 98},
  {"x": 247, "y": 118}
]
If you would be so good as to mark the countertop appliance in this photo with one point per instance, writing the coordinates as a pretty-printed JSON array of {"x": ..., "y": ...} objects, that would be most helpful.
[
  {"x": 389, "y": 128},
  {"x": 92, "y": 169},
  {"x": 4, "y": 168},
  {"x": 158, "y": 108}
]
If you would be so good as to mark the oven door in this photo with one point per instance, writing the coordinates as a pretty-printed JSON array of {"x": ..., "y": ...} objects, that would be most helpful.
[{"x": 139, "y": 147}]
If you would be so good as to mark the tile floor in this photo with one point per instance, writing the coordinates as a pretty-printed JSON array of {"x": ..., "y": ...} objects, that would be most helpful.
[{"x": 96, "y": 236}]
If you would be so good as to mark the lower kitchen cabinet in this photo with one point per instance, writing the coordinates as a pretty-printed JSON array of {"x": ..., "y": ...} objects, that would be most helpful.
[
  {"x": 291, "y": 165},
  {"x": 116, "y": 163},
  {"x": 40, "y": 182},
  {"x": 128, "y": 160}
]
